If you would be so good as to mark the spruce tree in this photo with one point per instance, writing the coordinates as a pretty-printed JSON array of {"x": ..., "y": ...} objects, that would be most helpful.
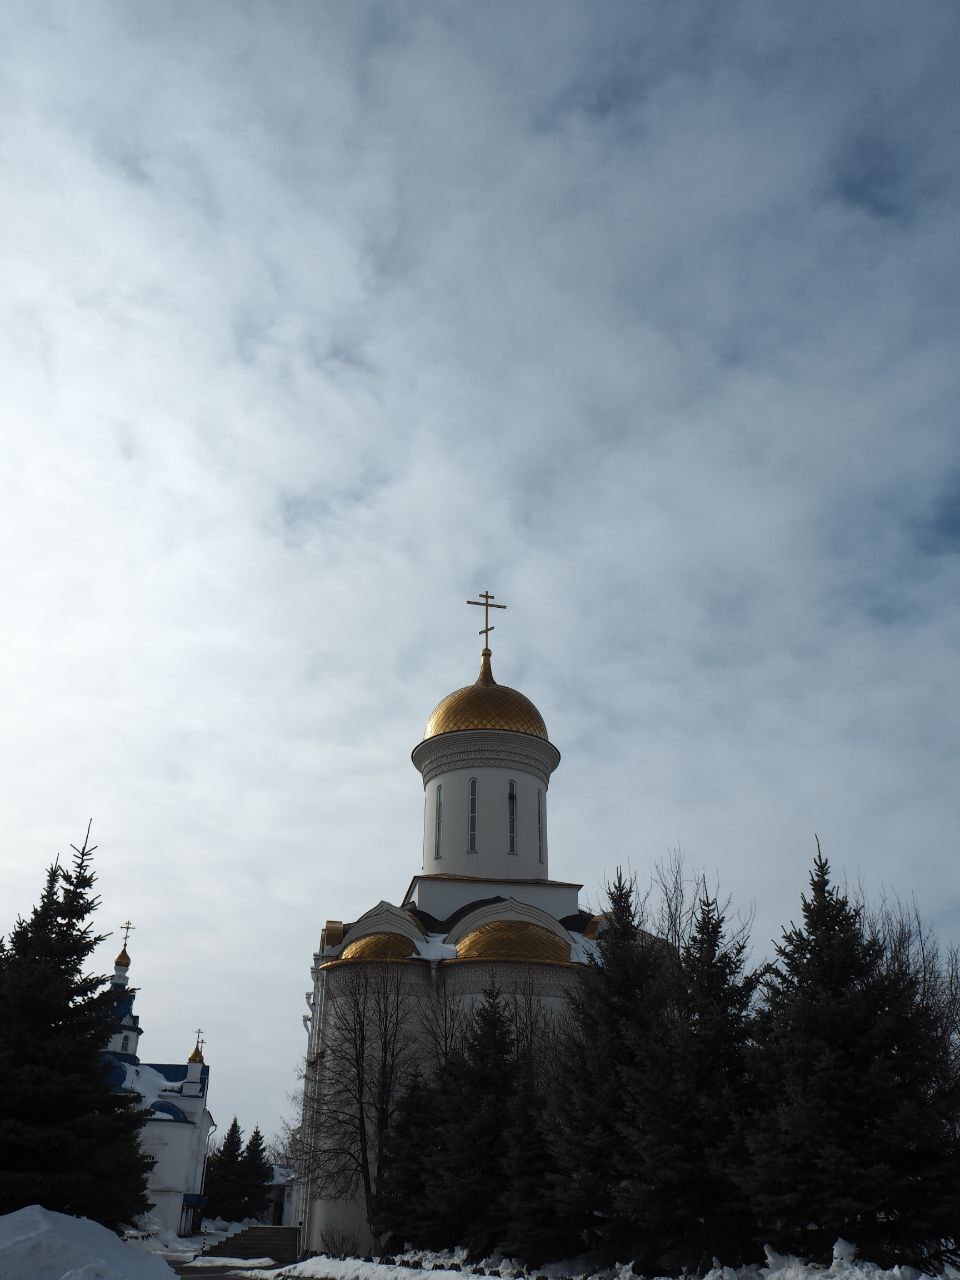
[
  {"x": 256, "y": 1175},
  {"x": 611, "y": 1013},
  {"x": 67, "y": 1140},
  {"x": 684, "y": 1100},
  {"x": 532, "y": 1231},
  {"x": 858, "y": 1134},
  {"x": 223, "y": 1182},
  {"x": 405, "y": 1201},
  {"x": 475, "y": 1091}
]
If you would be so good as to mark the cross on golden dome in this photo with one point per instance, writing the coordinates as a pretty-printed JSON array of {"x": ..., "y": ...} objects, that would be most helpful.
[
  {"x": 123, "y": 960},
  {"x": 486, "y": 603},
  {"x": 197, "y": 1055}
]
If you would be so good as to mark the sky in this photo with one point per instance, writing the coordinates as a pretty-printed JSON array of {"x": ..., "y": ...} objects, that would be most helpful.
[{"x": 320, "y": 318}]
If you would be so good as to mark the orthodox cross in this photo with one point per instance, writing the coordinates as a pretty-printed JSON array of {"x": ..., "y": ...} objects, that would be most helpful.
[
  {"x": 486, "y": 603},
  {"x": 200, "y": 1040},
  {"x": 127, "y": 928}
]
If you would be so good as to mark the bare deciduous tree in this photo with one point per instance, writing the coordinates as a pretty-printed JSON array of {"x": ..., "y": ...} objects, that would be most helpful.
[
  {"x": 442, "y": 1017},
  {"x": 351, "y": 1089}
]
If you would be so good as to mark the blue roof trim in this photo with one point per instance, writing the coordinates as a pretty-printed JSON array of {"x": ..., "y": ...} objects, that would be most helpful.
[{"x": 176, "y": 1071}]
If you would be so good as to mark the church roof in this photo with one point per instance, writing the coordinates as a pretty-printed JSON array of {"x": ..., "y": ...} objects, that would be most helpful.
[
  {"x": 379, "y": 946},
  {"x": 485, "y": 705},
  {"x": 513, "y": 940}
]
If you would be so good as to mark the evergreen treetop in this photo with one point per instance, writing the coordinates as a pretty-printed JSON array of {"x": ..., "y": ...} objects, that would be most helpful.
[
  {"x": 856, "y": 1135},
  {"x": 238, "y": 1176},
  {"x": 256, "y": 1174},
  {"x": 68, "y": 1141},
  {"x": 223, "y": 1180}
]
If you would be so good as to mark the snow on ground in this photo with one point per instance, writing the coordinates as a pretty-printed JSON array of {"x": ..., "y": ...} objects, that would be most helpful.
[
  {"x": 777, "y": 1267},
  {"x": 38, "y": 1244},
  {"x": 247, "y": 1264}
]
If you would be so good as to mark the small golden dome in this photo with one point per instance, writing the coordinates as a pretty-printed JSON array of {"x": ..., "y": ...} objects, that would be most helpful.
[
  {"x": 595, "y": 924},
  {"x": 485, "y": 705},
  {"x": 196, "y": 1056},
  {"x": 123, "y": 960},
  {"x": 513, "y": 940},
  {"x": 379, "y": 946}
]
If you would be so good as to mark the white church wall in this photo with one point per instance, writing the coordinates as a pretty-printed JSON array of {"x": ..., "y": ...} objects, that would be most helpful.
[
  {"x": 179, "y": 1152},
  {"x": 337, "y": 1227},
  {"x": 335, "y": 1224}
]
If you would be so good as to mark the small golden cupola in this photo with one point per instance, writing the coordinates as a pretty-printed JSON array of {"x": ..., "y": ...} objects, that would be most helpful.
[{"x": 485, "y": 705}]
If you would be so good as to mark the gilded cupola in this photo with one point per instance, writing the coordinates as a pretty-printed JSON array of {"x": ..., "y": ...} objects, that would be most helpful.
[{"x": 485, "y": 705}]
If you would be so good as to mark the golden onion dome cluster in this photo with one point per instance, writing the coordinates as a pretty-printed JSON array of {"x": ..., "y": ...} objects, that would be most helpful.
[{"x": 485, "y": 705}]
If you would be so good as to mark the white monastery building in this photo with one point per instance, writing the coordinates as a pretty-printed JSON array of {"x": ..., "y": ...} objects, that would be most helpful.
[
  {"x": 482, "y": 909},
  {"x": 178, "y": 1124}
]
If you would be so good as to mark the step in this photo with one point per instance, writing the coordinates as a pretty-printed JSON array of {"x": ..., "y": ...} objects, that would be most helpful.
[{"x": 279, "y": 1243}]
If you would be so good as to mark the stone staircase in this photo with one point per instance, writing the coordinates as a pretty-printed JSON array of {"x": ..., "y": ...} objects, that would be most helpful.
[{"x": 282, "y": 1244}]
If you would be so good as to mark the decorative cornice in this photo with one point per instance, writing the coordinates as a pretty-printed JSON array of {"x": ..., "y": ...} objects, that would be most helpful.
[{"x": 485, "y": 748}]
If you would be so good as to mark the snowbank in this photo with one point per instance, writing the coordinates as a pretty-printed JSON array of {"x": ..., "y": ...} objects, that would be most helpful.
[
  {"x": 244, "y": 1263},
  {"x": 778, "y": 1267},
  {"x": 38, "y": 1244}
]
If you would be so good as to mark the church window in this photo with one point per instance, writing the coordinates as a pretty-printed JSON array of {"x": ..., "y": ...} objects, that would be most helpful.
[
  {"x": 472, "y": 818},
  {"x": 512, "y": 816},
  {"x": 124, "y": 1044},
  {"x": 540, "y": 824},
  {"x": 439, "y": 825}
]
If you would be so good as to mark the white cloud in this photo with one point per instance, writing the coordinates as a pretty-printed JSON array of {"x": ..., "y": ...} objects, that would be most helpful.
[{"x": 317, "y": 322}]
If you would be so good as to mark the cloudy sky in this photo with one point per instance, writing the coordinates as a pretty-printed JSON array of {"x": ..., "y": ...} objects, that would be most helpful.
[{"x": 318, "y": 318}]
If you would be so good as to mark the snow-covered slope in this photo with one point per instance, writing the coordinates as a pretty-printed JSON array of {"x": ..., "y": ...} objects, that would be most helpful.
[
  {"x": 844, "y": 1267},
  {"x": 37, "y": 1244}
]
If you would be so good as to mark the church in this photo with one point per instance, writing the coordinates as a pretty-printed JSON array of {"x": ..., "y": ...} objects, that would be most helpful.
[
  {"x": 174, "y": 1094},
  {"x": 481, "y": 910}
]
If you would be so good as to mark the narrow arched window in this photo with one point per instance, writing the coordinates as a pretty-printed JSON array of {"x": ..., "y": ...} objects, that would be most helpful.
[
  {"x": 540, "y": 824},
  {"x": 124, "y": 1044},
  {"x": 439, "y": 822},
  {"x": 472, "y": 818},
  {"x": 512, "y": 817}
]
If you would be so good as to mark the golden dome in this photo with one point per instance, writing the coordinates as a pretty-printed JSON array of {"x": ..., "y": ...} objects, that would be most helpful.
[
  {"x": 512, "y": 940},
  {"x": 123, "y": 960},
  {"x": 485, "y": 705},
  {"x": 595, "y": 924},
  {"x": 196, "y": 1056},
  {"x": 379, "y": 946}
]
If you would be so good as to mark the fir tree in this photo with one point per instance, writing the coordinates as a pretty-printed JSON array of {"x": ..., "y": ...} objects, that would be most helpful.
[
  {"x": 67, "y": 1140},
  {"x": 405, "y": 1213},
  {"x": 610, "y": 1014},
  {"x": 256, "y": 1175},
  {"x": 532, "y": 1230},
  {"x": 223, "y": 1181},
  {"x": 858, "y": 1135},
  {"x": 684, "y": 1100},
  {"x": 474, "y": 1096}
]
